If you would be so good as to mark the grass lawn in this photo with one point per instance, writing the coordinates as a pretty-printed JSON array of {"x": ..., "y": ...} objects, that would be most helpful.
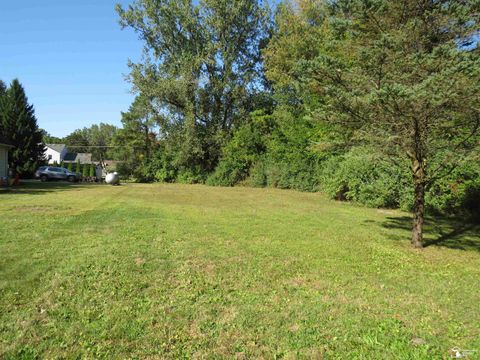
[{"x": 187, "y": 271}]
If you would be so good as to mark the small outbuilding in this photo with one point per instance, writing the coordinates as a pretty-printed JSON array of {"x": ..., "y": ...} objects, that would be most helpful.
[{"x": 4, "y": 147}]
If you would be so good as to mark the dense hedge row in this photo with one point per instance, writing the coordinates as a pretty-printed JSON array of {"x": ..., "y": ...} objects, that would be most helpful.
[{"x": 282, "y": 150}]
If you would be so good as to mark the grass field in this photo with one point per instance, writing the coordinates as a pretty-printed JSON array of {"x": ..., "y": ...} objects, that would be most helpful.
[{"x": 186, "y": 271}]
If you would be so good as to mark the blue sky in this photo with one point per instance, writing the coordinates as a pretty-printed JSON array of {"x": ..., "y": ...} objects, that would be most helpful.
[{"x": 71, "y": 57}]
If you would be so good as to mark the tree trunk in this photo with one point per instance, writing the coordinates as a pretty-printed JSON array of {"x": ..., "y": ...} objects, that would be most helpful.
[{"x": 419, "y": 204}]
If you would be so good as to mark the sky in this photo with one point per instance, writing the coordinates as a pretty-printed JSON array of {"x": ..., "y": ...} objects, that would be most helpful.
[{"x": 71, "y": 57}]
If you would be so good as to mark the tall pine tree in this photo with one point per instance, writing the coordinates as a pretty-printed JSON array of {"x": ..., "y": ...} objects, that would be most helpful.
[
  {"x": 19, "y": 126},
  {"x": 3, "y": 88}
]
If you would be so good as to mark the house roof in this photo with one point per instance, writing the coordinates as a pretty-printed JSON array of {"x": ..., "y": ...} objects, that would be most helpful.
[
  {"x": 56, "y": 147},
  {"x": 70, "y": 156},
  {"x": 84, "y": 158}
]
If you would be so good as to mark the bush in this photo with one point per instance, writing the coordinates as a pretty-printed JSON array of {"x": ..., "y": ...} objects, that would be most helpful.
[
  {"x": 191, "y": 176},
  {"x": 366, "y": 177},
  {"x": 458, "y": 192},
  {"x": 289, "y": 161},
  {"x": 258, "y": 174},
  {"x": 242, "y": 151}
]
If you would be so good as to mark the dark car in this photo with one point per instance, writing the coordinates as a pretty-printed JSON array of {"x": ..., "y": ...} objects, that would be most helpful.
[{"x": 46, "y": 173}]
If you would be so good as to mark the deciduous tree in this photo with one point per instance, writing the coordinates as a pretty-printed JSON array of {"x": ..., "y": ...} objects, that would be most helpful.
[{"x": 202, "y": 68}]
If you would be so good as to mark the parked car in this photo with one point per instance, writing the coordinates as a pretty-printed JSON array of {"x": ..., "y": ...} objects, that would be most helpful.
[{"x": 45, "y": 173}]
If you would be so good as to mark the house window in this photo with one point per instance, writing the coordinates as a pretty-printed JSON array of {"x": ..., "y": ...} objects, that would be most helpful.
[{"x": 49, "y": 157}]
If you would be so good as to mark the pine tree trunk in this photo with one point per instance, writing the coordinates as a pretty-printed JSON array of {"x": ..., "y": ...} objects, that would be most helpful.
[{"x": 419, "y": 204}]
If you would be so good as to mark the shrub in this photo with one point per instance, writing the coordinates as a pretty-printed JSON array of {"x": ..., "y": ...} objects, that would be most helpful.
[
  {"x": 366, "y": 177},
  {"x": 85, "y": 170},
  {"x": 161, "y": 168},
  {"x": 258, "y": 174},
  {"x": 248, "y": 143},
  {"x": 458, "y": 192},
  {"x": 289, "y": 162},
  {"x": 193, "y": 175}
]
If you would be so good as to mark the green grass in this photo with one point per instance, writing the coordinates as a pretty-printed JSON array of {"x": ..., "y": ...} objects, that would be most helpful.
[{"x": 186, "y": 271}]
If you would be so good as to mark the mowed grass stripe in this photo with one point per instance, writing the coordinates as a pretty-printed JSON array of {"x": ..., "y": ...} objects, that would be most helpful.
[{"x": 178, "y": 271}]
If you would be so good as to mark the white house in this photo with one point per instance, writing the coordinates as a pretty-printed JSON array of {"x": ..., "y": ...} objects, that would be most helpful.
[
  {"x": 4, "y": 147},
  {"x": 55, "y": 153}
]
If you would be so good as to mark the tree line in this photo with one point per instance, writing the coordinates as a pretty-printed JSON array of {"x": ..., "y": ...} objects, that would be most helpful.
[
  {"x": 372, "y": 101},
  {"x": 376, "y": 102}
]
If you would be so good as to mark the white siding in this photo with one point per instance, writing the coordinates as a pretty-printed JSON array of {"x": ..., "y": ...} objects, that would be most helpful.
[
  {"x": 3, "y": 161},
  {"x": 55, "y": 156}
]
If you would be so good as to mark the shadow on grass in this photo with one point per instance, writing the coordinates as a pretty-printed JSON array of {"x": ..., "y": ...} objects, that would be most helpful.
[
  {"x": 32, "y": 187},
  {"x": 454, "y": 233}
]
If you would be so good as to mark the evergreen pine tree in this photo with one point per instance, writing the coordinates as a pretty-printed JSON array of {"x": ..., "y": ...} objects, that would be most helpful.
[
  {"x": 3, "y": 92},
  {"x": 78, "y": 168},
  {"x": 19, "y": 126},
  {"x": 85, "y": 170},
  {"x": 92, "y": 170}
]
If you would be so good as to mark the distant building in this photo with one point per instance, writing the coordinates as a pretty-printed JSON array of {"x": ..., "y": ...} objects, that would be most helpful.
[
  {"x": 56, "y": 153},
  {"x": 83, "y": 158},
  {"x": 4, "y": 147}
]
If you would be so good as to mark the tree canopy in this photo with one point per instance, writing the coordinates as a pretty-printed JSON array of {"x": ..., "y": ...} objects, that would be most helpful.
[
  {"x": 202, "y": 69},
  {"x": 18, "y": 125},
  {"x": 395, "y": 74},
  {"x": 372, "y": 101}
]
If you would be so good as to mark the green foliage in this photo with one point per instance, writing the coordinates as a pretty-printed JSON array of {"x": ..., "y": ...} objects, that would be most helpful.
[
  {"x": 95, "y": 139},
  {"x": 136, "y": 142},
  {"x": 367, "y": 177},
  {"x": 77, "y": 141},
  {"x": 349, "y": 103},
  {"x": 78, "y": 167},
  {"x": 458, "y": 192},
  {"x": 70, "y": 166},
  {"x": 3, "y": 88},
  {"x": 161, "y": 167},
  {"x": 291, "y": 161},
  {"x": 85, "y": 170},
  {"x": 18, "y": 125},
  {"x": 91, "y": 171},
  {"x": 258, "y": 174},
  {"x": 242, "y": 151},
  {"x": 49, "y": 139},
  {"x": 202, "y": 72},
  {"x": 394, "y": 74}
]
